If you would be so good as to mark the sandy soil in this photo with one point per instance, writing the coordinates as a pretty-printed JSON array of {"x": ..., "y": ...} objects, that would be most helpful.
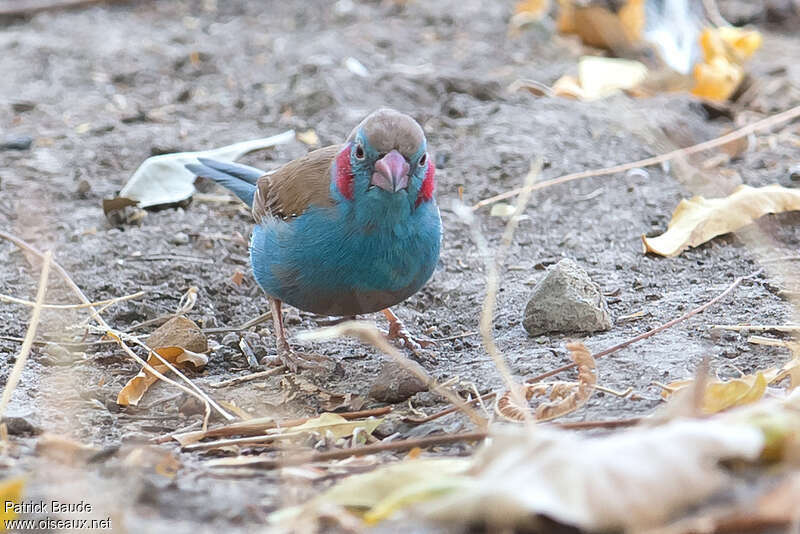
[{"x": 111, "y": 86}]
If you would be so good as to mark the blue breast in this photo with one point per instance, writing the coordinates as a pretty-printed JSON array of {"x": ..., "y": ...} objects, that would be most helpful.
[{"x": 329, "y": 262}]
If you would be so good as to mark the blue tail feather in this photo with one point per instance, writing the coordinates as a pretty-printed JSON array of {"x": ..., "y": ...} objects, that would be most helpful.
[
  {"x": 243, "y": 172},
  {"x": 239, "y": 179}
]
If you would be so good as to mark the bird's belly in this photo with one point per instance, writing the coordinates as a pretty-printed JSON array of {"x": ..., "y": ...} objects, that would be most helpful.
[{"x": 341, "y": 275}]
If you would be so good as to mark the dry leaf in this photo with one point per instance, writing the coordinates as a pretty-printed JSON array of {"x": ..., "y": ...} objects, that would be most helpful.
[
  {"x": 724, "y": 52},
  {"x": 602, "y": 76},
  {"x": 561, "y": 397},
  {"x": 602, "y": 28},
  {"x": 237, "y": 277},
  {"x": 722, "y": 395},
  {"x": 336, "y": 425},
  {"x": 164, "y": 179},
  {"x": 599, "y": 77},
  {"x": 10, "y": 492},
  {"x": 179, "y": 341},
  {"x": 698, "y": 219}
]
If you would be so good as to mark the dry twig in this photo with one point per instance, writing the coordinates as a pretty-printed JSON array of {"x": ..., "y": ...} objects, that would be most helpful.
[
  {"x": 193, "y": 390},
  {"x": 16, "y": 372},
  {"x": 763, "y": 124}
]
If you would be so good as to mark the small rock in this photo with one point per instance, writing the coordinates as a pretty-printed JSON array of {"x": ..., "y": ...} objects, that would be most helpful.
[
  {"x": 18, "y": 426},
  {"x": 566, "y": 300},
  {"x": 179, "y": 238},
  {"x": 21, "y": 106},
  {"x": 794, "y": 173},
  {"x": 16, "y": 142},
  {"x": 84, "y": 187},
  {"x": 395, "y": 384}
]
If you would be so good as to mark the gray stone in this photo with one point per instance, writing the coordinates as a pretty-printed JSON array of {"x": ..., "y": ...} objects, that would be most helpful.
[
  {"x": 179, "y": 238},
  {"x": 395, "y": 383},
  {"x": 566, "y": 300}
]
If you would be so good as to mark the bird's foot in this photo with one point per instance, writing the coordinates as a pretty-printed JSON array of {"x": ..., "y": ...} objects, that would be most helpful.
[
  {"x": 295, "y": 361},
  {"x": 399, "y": 334}
]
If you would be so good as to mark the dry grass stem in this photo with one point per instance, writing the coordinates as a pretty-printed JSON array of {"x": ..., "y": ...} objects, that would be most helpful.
[
  {"x": 107, "y": 302},
  {"x": 25, "y": 350},
  {"x": 763, "y": 124},
  {"x": 369, "y": 333},
  {"x": 114, "y": 334}
]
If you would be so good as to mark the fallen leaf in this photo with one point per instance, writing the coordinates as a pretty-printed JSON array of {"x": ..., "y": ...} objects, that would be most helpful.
[
  {"x": 560, "y": 397},
  {"x": 336, "y": 425},
  {"x": 721, "y": 395},
  {"x": 179, "y": 341},
  {"x": 725, "y": 50},
  {"x": 10, "y": 492},
  {"x": 698, "y": 220},
  {"x": 163, "y": 179},
  {"x": 365, "y": 492},
  {"x": 600, "y": 27},
  {"x": 602, "y": 76},
  {"x": 237, "y": 277}
]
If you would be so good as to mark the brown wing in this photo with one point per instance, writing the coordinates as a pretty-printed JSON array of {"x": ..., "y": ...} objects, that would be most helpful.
[{"x": 290, "y": 190}]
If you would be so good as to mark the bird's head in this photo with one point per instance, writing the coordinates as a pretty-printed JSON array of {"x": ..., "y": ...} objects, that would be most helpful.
[{"x": 384, "y": 168}]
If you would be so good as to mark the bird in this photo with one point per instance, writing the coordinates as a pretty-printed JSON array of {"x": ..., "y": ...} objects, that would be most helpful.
[{"x": 345, "y": 230}]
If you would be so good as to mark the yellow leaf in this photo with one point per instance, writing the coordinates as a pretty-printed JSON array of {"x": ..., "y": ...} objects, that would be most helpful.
[
  {"x": 722, "y": 395},
  {"x": 603, "y": 76},
  {"x": 698, "y": 219},
  {"x": 10, "y": 492},
  {"x": 718, "y": 79},
  {"x": 600, "y": 27},
  {"x": 532, "y": 8},
  {"x": 337, "y": 425},
  {"x": 724, "y": 51}
]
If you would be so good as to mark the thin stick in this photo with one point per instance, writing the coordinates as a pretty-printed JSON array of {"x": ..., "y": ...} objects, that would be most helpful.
[
  {"x": 194, "y": 391},
  {"x": 16, "y": 372},
  {"x": 757, "y": 327},
  {"x": 407, "y": 444},
  {"x": 763, "y": 124},
  {"x": 368, "y": 333},
  {"x": 247, "y": 378},
  {"x": 451, "y": 409},
  {"x": 14, "y": 300},
  {"x": 249, "y": 324},
  {"x": 654, "y": 331},
  {"x": 255, "y": 426},
  {"x": 31, "y": 7},
  {"x": 73, "y": 344}
]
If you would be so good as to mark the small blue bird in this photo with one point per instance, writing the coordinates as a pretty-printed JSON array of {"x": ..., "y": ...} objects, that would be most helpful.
[{"x": 344, "y": 230}]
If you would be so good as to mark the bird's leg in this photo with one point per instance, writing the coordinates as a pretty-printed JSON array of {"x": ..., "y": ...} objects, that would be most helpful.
[
  {"x": 286, "y": 356},
  {"x": 397, "y": 330}
]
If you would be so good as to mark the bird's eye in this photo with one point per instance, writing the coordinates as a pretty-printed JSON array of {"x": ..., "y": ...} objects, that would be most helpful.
[
  {"x": 359, "y": 152},
  {"x": 423, "y": 159}
]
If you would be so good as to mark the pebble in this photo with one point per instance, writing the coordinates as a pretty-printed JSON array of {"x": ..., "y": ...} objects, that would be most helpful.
[
  {"x": 179, "y": 238},
  {"x": 395, "y": 384},
  {"x": 794, "y": 173},
  {"x": 566, "y": 300},
  {"x": 16, "y": 142}
]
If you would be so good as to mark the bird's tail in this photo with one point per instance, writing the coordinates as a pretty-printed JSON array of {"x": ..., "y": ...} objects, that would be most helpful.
[{"x": 240, "y": 179}]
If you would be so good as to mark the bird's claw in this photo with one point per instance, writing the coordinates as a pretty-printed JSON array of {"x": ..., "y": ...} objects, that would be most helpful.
[
  {"x": 398, "y": 333},
  {"x": 295, "y": 361}
]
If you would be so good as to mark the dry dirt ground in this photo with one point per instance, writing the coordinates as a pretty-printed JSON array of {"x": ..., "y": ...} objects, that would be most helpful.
[{"x": 110, "y": 86}]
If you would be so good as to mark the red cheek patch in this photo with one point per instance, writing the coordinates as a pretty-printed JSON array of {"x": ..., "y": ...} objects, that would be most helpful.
[
  {"x": 428, "y": 185},
  {"x": 344, "y": 173}
]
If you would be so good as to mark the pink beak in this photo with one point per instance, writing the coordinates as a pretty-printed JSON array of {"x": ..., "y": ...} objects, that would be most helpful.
[{"x": 391, "y": 172}]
